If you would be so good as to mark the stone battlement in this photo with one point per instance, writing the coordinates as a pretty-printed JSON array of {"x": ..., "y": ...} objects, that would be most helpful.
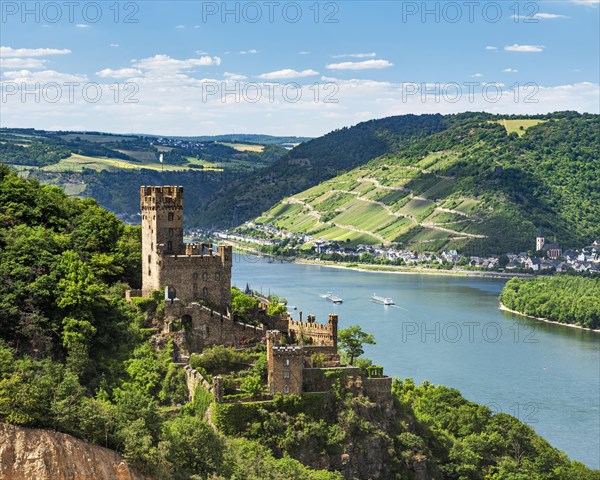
[
  {"x": 317, "y": 333},
  {"x": 158, "y": 196}
]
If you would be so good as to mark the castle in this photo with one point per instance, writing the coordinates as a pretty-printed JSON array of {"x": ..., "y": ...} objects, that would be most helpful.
[
  {"x": 195, "y": 271},
  {"x": 197, "y": 282}
]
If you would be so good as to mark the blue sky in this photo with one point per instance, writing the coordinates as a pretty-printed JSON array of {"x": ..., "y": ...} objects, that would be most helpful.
[{"x": 289, "y": 68}]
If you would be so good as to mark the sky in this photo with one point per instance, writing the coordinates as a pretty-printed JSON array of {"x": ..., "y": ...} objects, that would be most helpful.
[{"x": 289, "y": 68}]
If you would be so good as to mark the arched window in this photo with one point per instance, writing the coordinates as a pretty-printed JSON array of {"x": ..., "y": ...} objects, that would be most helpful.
[
  {"x": 149, "y": 258},
  {"x": 205, "y": 276},
  {"x": 217, "y": 276},
  {"x": 205, "y": 292},
  {"x": 196, "y": 277},
  {"x": 170, "y": 216},
  {"x": 195, "y": 287},
  {"x": 286, "y": 389}
]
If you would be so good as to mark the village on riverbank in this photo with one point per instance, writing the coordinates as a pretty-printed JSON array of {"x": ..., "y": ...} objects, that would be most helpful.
[{"x": 546, "y": 258}]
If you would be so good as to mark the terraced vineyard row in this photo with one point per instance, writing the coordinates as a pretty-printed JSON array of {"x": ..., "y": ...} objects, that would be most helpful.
[{"x": 386, "y": 204}]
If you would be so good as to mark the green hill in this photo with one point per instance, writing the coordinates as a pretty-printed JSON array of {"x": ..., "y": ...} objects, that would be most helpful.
[
  {"x": 313, "y": 162},
  {"x": 77, "y": 358},
  {"x": 484, "y": 184}
]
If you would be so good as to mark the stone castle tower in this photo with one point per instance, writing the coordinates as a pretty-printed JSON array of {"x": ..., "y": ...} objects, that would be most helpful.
[{"x": 195, "y": 271}]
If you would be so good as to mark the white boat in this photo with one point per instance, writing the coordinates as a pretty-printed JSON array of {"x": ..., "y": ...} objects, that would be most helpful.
[
  {"x": 333, "y": 298},
  {"x": 383, "y": 300}
]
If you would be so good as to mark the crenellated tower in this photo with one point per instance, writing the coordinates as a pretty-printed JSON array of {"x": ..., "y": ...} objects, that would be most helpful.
[{"x": 196, "y": 271}]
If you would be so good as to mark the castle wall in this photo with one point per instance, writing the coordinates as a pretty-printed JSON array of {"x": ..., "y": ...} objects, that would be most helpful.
[
  {"x": 317, "y": 333},
  {"x": 199, "y": 277},
  {"x": 205, "y": 327}
]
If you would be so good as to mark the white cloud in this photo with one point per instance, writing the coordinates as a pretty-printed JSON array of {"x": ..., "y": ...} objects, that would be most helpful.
[
  {"x": 164, "y": 62},
  {"x": 22, "y": 63},
  {"x": 120, "y": 73},
  {"x": 180, "y": 27},
  {"x": 491, "y": 47},
  {"x": 355, "y": 55},
  {"x": 367, "y": 64},
  {"x": 538, "y": 16},
  {"x": 303, "y": 53},
  {"x": 82, "y": 25},
  {"x": 234, "y": 76},
  {"x": 31, "y": 52},
  {"x": 43, "y": 77},
  {"x": 510, "y": 70},
  {"x": 248, "y": 52},
  {"x": 586, "y": 2},
  {"x": 201, "y": 52},
  {"x": 524, "y": 48},
  {"x": 477, "y": 75},
  {"x": 288, "y": 73},
  {"x": 114, "y": 45}
]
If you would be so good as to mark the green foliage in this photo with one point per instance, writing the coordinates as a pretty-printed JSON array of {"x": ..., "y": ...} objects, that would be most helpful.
[
  {"x": 219, "y": 359},
  {"x": 464, "y": 440},
  {"x": 200, "y": 404},
  {"x": 174, "y": 390},
  {"x": 351, "y": 341},
  {"x": 249, "y": 460},
  {"x": 564, "y": 298},
  {"x": 242, "y": 305},
  {"x": 252, "y": 385},
  {"x": 193, "y": 447}
]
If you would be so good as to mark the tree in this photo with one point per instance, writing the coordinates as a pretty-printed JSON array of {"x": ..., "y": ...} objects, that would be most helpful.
[{"x": 352, "y": 339}]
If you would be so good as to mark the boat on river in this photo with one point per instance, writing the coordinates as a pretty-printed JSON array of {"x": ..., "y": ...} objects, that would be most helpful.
[
  {"x": 333, "y": 298},
  {"x": 383, "y": 300}
]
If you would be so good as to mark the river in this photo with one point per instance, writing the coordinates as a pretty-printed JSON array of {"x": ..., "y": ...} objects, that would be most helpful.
[{"x": 448, "y": 330}]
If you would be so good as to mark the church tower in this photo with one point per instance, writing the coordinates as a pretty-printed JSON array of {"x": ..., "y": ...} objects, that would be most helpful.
[
  {"x": 540, "y": 241},
  {"x": 162, "y": 230}
]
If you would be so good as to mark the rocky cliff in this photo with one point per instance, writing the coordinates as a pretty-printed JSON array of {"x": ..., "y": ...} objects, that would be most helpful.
[{"x": 34, "y": 454}]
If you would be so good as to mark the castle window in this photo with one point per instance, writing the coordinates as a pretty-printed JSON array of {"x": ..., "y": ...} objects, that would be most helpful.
[
  {"x": 170, "y": 232},
  {"x": 152, "y": 246},
  {"x": 149, "y": 272},
  {"x": 205, "y": 292},
  {"x": 205, "y": 276},
  {"x": 149, "y": 258},
  {"x": 217, "y": 276},
  {"x": 195, "y": 287},
  {"x": 196, "y": 277},
  {"x": 286, "y": 374},
  {"x": 169, "y": 246},
  {"x": 286, "y": 389},
  {"x": 286, "y": 362},
  {"x": 170, "y": 216}
]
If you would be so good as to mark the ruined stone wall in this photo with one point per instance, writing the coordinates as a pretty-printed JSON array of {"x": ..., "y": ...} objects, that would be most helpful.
[
  {"x": 204, "y": 327},
  {"x": 316, "y": 380}
]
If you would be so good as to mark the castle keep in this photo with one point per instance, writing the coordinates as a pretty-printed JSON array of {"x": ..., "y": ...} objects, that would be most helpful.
[{"x": 195, "y": 271}]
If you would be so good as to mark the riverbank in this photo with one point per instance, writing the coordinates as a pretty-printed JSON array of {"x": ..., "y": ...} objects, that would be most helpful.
[
  {"x": 504, "y": 308},
  {"x": 375, "y": 268}
]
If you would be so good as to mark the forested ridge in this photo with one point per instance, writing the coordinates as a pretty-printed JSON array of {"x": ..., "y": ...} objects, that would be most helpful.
[
  {"x": 480, "y": 185},
  {"x": 76, "y": 357},
  {"x": 565, "y": 299}
]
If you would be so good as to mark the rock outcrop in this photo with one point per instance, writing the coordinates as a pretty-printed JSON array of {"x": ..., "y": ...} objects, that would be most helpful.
[{"x": 35, "y": 454}]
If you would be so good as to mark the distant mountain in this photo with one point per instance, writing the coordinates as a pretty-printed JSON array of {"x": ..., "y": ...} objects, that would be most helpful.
[
  {"x": 479, "y": 184},
  {"x": 313, "y": 162}
]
